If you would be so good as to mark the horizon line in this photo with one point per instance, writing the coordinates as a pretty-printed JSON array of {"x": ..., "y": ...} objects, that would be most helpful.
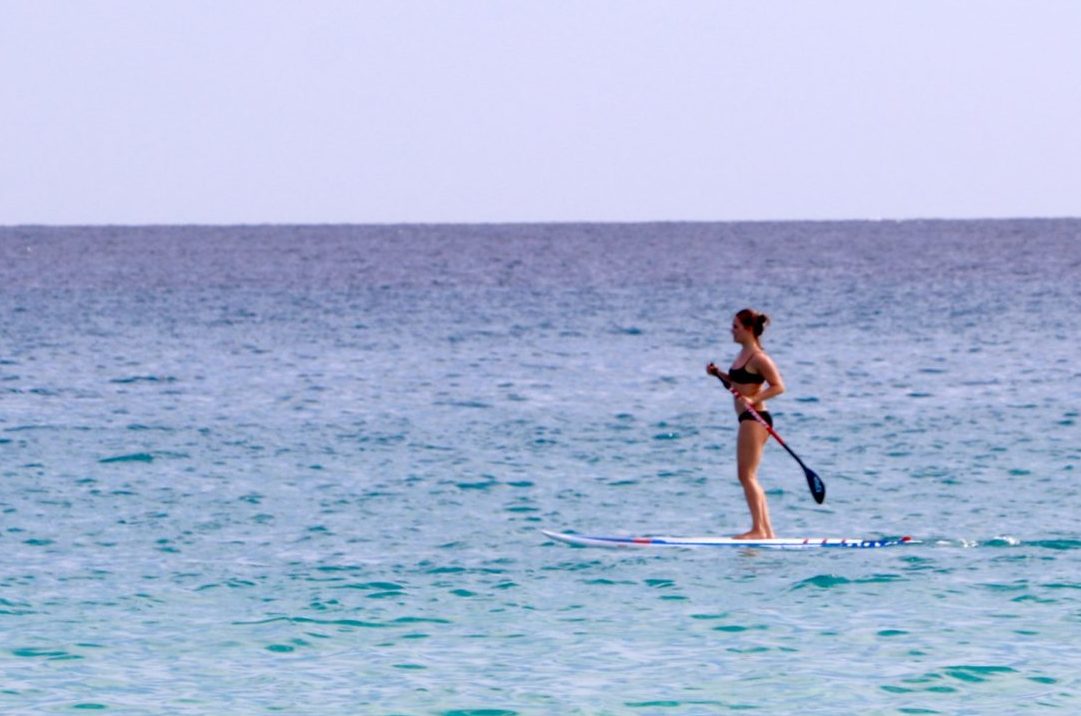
[{"x": 528, "y": 222}]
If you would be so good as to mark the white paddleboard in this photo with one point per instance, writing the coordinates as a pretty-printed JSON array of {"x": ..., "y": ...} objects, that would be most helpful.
[{"x": 777, "y": 543}]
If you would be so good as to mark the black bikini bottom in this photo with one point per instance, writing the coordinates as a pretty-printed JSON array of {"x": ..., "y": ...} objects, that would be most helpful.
[{"x": 746, "y": 415}]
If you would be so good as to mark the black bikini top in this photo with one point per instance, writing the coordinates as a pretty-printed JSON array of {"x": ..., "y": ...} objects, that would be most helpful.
[{"x": 742, "y": 375}]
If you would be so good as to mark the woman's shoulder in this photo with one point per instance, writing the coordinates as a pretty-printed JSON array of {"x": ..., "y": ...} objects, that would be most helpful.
[{"x": 761, "y": 360}]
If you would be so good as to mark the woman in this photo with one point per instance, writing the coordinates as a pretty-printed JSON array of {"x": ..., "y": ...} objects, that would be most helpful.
[{"x": 757, "y": 379}]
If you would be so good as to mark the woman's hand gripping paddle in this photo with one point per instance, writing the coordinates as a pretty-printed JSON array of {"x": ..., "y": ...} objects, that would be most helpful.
[{"x": 814, "y": 482}]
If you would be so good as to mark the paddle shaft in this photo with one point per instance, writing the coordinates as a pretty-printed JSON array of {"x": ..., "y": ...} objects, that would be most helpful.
[{"x": 814, "y": 482}]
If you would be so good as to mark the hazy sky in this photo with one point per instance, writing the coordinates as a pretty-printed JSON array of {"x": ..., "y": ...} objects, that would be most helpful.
[{"x": 321, "y": 111}]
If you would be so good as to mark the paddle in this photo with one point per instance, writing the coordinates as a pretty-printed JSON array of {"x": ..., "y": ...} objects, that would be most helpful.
[{"x": 818, "y": 488}]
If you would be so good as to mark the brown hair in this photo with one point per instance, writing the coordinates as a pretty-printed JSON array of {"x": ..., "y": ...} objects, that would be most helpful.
[{"x": 754, "y": 320}]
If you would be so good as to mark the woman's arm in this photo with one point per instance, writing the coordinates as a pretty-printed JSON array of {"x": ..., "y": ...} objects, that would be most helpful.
[{"x": 768, "y": 370}]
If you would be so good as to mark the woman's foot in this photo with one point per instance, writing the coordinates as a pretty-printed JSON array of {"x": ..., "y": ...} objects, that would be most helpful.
[{"x": 754, "y": 535}]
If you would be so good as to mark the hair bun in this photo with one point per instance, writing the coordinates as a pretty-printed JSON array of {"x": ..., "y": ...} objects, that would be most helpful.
[{"x": 754, "y": 320}]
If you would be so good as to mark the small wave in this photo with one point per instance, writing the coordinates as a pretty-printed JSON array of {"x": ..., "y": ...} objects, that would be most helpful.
[
  {"x": 133, "y": 457},
  {"x": 471, "y": 404},
  {"x": 44, "y": 653},
  {"x": 354, "y": 623},
  {"x": 1008, "y": 541},
  {"x": 129, "y": 380},
  {"x": 829, "y": 581},
  {"x": 823, "y": 581},
  {"x": 1056, "y": 544}
]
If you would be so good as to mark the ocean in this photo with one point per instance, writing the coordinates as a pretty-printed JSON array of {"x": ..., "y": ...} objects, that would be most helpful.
[{"x": 304, "y": 469}]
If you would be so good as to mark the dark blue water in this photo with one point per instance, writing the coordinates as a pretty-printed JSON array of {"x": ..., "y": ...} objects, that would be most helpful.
[{"x": 303, "y": 469}]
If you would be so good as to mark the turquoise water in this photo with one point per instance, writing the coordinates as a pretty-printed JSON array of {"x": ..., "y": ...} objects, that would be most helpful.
[{"x": 303, "y": 469}]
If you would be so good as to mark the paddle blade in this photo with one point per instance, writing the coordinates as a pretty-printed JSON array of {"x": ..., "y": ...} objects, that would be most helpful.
[{"x": 818, "y": 488}]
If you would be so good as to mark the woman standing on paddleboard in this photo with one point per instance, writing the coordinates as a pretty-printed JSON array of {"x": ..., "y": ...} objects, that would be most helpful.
[{"x": 755, "y": 377}]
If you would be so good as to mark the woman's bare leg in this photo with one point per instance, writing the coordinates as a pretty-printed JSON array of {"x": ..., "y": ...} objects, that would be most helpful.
[{"x": 750, "y": 444}]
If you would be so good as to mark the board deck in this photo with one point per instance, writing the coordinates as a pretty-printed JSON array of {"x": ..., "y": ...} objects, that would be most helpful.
[{"x": 778, "y": 543}]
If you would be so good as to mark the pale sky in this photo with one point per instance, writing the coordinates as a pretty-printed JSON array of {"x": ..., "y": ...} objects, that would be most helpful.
[{"x": 361, "y": 111}]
